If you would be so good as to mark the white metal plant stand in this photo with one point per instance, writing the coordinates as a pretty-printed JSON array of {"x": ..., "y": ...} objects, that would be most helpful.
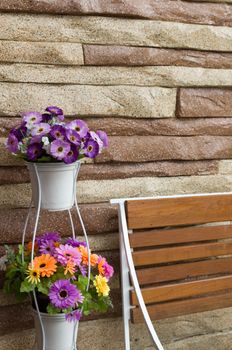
[{"x": 41, "y": 192}]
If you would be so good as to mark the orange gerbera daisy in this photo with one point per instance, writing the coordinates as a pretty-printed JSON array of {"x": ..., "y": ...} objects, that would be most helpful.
[
  {"x": 100, "y": 266},
  {"x": 46, "y": 265},
  {"x": 29, "y": 246},
  {"x": 70, "y": 267},
  {"x": 84, "y": 254}
]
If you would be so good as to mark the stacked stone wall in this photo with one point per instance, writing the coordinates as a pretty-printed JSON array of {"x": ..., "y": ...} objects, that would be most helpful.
[{"x": 156, "y": 75}]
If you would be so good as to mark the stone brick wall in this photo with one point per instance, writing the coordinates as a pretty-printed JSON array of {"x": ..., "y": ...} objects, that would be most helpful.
[{"x": 156, "y": 75}]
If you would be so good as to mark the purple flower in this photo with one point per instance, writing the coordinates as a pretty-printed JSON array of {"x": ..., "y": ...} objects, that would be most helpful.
[
  {"x": 72, "y": 155},
  {"x": 46, "y": 117},
  {"x": 103, "y": 136},
  {"x": 59, "y": 149},
  {"x": 31, "y": 118},
  {"x": 48, "y": 236},
  {"x": 66, "y": 253},
  {"x": 79, "y": 126},
  {"x": 73, "y": 136},
  {"x": 97, "y": 139},
  {"x": 40, "y": 129},
  {"x": 83, "y": 269},
  {"x": 109, "y": 270},
  {"x": 74, "y": 242},
  {"x": 12, "y": 143},
  {"x": 73, "y": 316},
  {"x": 91, "y": 149},
  {"x": 58, "y": 132},
  {"x": 20, "y": 132},
  {"x": 34, "y": 151},
  {"x": 36, "y": 139},
  {"x": 63, "y": 294},
  {"x": 47, "y": 247},
  {"x": 56, "y": 111}
]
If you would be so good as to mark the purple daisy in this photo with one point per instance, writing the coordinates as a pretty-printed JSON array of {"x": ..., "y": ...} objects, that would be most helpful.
[
  {"x": 40, "y": 129},
  {"x": 73, "y": 316},
  {"x": 103, "y": 136},
  {"x": 96, "y": 138},
  {"x": 74, "y": 242},
  {"x": 12, "y": 143},
  {"x": 91, "y": 149},
  {"x": 73, "y": 136},
  {"x": 66, "y": 252},
  {"x": 63, "y": 294},
  {"x": 54, "y": 110},
  {"x": 72, "y": 155},
  {"x": 58, "y": 132},
  {"x": 20, "y": 132},
  {"x": 51, "y": 236},
  {"x": 83, "y": 270},
  {"x": 31, "y": 118},
  {"x": 47, "y": 247},
  {"x": 79, "y": 126},
  {"x": 46, "y": 117},
  {"x": 59, "y": 149},
  {"x": 34, "y": 151}
]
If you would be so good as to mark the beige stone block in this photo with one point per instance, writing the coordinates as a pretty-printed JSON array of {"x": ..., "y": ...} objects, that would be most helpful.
[
  {"x": 92, "y": 191},
  {"x": 225, "y": 167},
  {"x": 139, "y": 102},
  {"x": 115, "y": 31},
  {"x": 139, "y": 76},
  {"x": 41, "y": 52}
]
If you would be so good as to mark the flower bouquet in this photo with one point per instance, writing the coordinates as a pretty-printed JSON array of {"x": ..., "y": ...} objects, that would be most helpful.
[
  {"x": 57, "y": 282},
  {"x": 47, "y": 138}
]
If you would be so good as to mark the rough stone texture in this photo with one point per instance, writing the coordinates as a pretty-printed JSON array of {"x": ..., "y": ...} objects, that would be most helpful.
[
  {"x": 225, "y": 167},
  {"x": 143, "y": 149},
  {"x": 106, "y": 100},
  {"x": 105, "y": 221},
  {"x": 205, "y": 103},
  {"x": 114, "y": 31},
  {"x": 10, "y": 318},
  {"x": 138, "y": 76},
  {"x": 36, "y": 52},
  {"x": 10, "y": 175},
  {"x": 7, "y": 158},
  {"x": 101, "y": 191},
  {"x": 151, "y": 9},
  {"x": 132, "y": 126},
  {"x": 106, "y": 55}
]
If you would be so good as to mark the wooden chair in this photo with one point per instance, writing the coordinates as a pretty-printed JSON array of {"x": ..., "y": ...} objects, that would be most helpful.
[{"x": 177, "y": 265}]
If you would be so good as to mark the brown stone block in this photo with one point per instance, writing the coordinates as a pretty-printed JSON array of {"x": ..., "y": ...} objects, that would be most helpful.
[
  {"x": 15, "y": 317},
  {"x": 218, "y": 14},
  {"x": 205, "y": 102},
  {"x": 144, "y": 149},
  {"x": 107, "y": 55},
  {"x": 98, "y": 218}
]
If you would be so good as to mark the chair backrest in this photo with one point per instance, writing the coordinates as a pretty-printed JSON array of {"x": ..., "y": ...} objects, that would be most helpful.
[{"x": 182, "y": 265}]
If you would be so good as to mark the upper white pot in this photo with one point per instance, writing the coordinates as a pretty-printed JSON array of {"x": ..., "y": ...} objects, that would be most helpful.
[
  {"x": 56, "y": 182},
  {"x": 59, "y": 334}
]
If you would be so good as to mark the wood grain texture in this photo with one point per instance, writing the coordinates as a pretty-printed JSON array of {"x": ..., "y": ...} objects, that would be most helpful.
[
  {"x": 182, "y": 271},
  {"x": 180, "y": 235},
  {"x": 183, "y": 290},
  {"x": 178, "y": 211},
  {"x": 183, "y": 307}
]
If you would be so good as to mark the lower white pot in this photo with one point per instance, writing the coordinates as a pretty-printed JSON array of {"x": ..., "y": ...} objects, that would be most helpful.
[{"x": 59, "y": 334}]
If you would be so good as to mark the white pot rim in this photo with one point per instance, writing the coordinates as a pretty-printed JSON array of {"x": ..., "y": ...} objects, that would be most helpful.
[{"x": 49, "y": 316}]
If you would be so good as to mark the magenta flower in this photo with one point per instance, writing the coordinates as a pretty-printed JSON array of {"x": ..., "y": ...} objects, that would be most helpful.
[
  {"x": 73, "y": 136},
  {"x": 103, "y": 136},
  {"x": 31, "y": 118},
  {"x": 59, "y": 149},
  {"x": 40, "y": 129},
  {"x": 34, "y": 151},
  {"x": 58, "y": 132},
  {"x": 54, "y": 110},
  {"x": 63, "y": 294},
  {"x": 109, "y": 270},
  {"x": 47, "y": 247},
  {"x": 73, "y": 316},
  {"x": 79, "y": 126},
  {"x": 72, "y": 155},
  {"x": 91, "y": 149},
  {"x": 12, "y": 143},
  {"x": 64, "y": 253}
]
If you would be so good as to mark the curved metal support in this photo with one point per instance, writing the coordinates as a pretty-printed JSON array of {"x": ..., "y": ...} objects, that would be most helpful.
[
  {"x": 135, "y": 282},
  {"x": 25, "y": 229}
]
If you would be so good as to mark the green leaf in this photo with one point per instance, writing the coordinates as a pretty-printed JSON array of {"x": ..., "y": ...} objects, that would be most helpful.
[
  {"x": 26, "y": 287},
  {"x": 43, "y": 289},
  {"x": 52, "y": 309}
]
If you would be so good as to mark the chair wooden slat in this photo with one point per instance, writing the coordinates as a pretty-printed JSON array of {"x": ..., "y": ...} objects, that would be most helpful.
[
  {"x": 182, "y": 271},
  {"x": 184, "y": 307},
  {"x": 183, "y": 290},
  {"x": 178, "y": 211},
  {"x": 180, "y": 235},
  {"x": 164, "y": 255}
]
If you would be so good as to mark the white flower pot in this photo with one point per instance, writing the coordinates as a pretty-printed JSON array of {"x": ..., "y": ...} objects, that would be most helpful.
[
  {"x": 57, "y": 182},
  {"x": 59, "y": 334}
]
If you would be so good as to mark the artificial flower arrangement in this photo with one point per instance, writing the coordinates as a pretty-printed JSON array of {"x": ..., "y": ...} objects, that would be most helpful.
[
  {"x": 58, "y": 275},
  {"x": 47, "y": 138}
]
